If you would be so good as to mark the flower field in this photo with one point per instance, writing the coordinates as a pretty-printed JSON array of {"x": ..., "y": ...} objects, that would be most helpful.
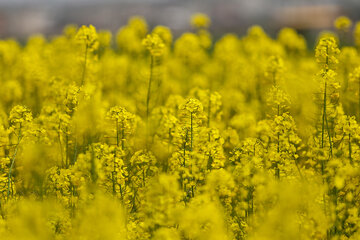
[{"x": 142, "y": 135}]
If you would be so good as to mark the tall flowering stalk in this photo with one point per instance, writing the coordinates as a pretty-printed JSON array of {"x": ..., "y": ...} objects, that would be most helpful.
[
  {"x": 87, "y": 37},
  {"x": 192, "y": 118},
  {"x": 124, "y": 123},
  {"x": 156, "y": 46},
  {"x": 326, "y": 55},
  {"x": 282, "y": 124},
  {"x": 19, "y": 116}
]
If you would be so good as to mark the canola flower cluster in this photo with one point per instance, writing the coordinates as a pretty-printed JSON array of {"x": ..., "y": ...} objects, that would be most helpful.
[{"x": 148, "y": 137}]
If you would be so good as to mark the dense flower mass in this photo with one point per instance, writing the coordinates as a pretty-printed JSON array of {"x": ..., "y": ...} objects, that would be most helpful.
[{"x": 155, "y": 137}]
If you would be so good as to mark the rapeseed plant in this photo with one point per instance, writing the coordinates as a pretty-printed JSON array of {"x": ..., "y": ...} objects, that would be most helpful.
[{"x": 157, "y": 137}]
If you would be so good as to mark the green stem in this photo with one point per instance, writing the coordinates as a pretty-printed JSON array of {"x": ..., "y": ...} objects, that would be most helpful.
[
  {"x": 117, "y": 132},
  {"x": 148, "y": 101},
  {"x": 114, "y": 171},
  {"x": 122, "y": 136},
  {"x": 329, "y": 134},
  {"x": 323, "y": 118},
  {"x": 61, "y": 147},
  {"x": 121, "y": 193},
  {"x": 13, "y": 162},
  {"x": 75, "y": 152},
  {"x": 209, "y": 111},
  {"x": 350, "y": 158},
  {"x": 191, "y": 132},
  {"x": 149, "y": 87},
  {"x": 66, "y": 148},
  {"x": 323, "y": 130},
  {"x": 113, "y": 180},
  {"x": 85, "y": 63},
  {"x": 143, "y": 176}
]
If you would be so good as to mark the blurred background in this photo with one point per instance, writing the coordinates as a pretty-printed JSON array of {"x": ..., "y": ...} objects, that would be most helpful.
[{"x": 21, "y": 18}]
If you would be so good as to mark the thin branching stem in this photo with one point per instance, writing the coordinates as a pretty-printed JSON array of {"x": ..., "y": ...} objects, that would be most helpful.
[
  {"x": 191, "y": 132},
  {"x": 13, "y": 162},
  {"x": 350, "y": 150},
  {"x": 149, "y": 88},
  {"x": 84, "y": 67}
]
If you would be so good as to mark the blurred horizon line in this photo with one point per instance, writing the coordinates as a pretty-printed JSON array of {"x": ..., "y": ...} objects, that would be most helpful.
[{"x": 22, "y": 18}]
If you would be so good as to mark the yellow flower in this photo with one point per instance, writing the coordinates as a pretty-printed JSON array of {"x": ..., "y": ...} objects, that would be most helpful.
[
  {"x": 154, "y": 44},
  {"x": 342, "y": 23},
  {"x": 164, "y": 33},
  {"x": 291, "y": 40},
  {"x": 357, "y": 34},
  {"x": 326, "y": 52},
  {"x": 200, "y": 20},
  {"x": 355, "y": 75},
  {"x": 20, "y": 114},
  {"x": 87, "y": 35}
]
